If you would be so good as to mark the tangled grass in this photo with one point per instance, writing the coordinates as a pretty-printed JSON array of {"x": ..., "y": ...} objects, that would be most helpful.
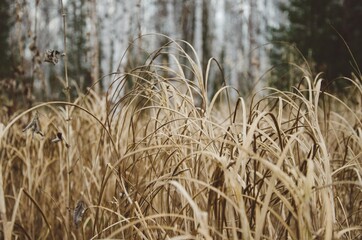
[{"x": 165, "y": 161}]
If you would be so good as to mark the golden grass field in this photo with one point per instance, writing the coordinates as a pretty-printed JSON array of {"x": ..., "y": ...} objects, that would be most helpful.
[{"x": 163, "y": 160}]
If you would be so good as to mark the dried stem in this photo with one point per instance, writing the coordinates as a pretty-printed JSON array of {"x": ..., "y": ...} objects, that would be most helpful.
[{"x": 67, "y": 93}]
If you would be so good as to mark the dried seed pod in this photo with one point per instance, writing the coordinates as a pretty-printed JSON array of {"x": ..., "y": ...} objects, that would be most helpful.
[
  {"x": 57, "y": 138},
  {"x": 52, "y": 56},
  {"x": 79, "y": 211},
  {"x": 34, "y": 125}
]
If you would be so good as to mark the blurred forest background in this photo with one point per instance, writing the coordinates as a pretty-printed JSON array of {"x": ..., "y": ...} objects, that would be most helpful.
[{"x": 257, "y": 42}]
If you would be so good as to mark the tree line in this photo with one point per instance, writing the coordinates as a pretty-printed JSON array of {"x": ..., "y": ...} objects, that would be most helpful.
[{"x": 248, "y": 38}]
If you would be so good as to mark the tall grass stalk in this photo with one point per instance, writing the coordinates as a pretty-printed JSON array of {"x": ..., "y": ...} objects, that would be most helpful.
[{"x": 68, "y": 118}]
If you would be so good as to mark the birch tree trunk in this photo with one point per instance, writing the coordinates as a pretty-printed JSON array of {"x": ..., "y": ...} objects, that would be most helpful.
[
  {"x": 94, "y": 45},
  {"x": 253, "y": 60}
]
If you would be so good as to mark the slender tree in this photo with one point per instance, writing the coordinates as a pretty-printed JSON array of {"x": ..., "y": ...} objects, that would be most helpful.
[
  {"x": 80, "y": 60},
  {"x": 95, "y": 44},
  {"x": 5, "y": 63}
]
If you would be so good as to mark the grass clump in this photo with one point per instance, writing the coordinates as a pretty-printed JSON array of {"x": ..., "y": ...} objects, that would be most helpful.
[{"x": 164, "y": 160}]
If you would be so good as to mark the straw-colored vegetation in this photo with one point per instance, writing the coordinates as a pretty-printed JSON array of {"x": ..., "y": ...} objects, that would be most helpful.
[{"x": 165, "y": 161}]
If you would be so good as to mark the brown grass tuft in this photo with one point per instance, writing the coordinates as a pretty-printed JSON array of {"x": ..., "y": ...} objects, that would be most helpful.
[{"x": 164, "y": 160}]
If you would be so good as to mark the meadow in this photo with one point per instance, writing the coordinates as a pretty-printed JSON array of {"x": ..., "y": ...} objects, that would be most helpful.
[{"x": 164, "y": 160}]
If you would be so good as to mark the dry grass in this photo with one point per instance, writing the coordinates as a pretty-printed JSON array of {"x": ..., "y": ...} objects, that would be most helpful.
[{"x": 164, "y": 161}]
